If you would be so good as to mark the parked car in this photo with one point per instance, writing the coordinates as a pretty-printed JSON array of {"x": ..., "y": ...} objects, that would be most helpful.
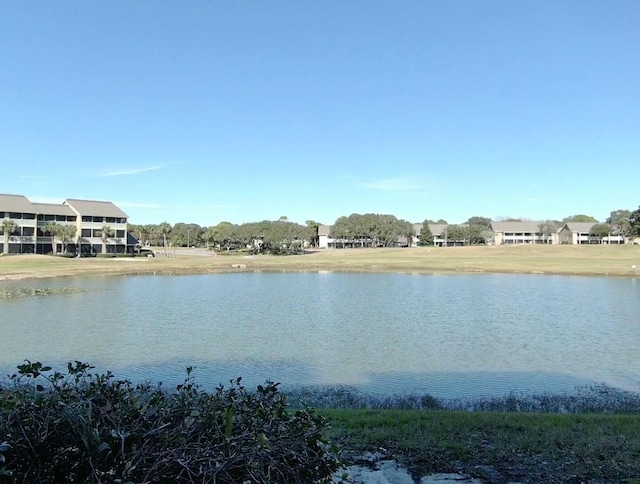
[{"x": 144, "y": 252}]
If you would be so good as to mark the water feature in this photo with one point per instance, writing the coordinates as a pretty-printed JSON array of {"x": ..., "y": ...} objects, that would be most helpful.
[{"x": 450, "y": 336}]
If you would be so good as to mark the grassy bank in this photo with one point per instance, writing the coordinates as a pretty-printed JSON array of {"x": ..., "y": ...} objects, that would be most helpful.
[
  {"x": 498, "y": 447},
  {"x": 537, "y": 259}
]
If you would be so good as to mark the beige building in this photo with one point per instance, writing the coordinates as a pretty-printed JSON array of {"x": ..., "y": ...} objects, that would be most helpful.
[
  {"x": 522, "y": 233},
  {"x": 31, "y": 221},
  {"x": 580, "y": 233}
]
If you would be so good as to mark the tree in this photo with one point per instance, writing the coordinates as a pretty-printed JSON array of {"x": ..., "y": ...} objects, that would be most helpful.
[
  {"x": 105, "y": 233},
  {"x": 599, "y": 231},
  {"x": 634, "y": 223},
  {"x": 619, "y": 221},
  {"x": 580, "y": 218},
  {"x": 224, "y": 235},
  {"x": 312, "y": 228},
  {"x": 547, "y": 229},
  {"x": 426, "y": 237},
  {"x": 484, "y": 222},
  {"x": 8, "y": 227},
  {"x": 67, "y": 233},
  {"x": 457, "y": 233},
  {"x": 163, "y": 230},
  {"x": 52, "y": 228}
]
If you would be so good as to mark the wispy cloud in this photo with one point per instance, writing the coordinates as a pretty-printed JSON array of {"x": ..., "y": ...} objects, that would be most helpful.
[
  {"x": 392, "y": 184},
  {"x": 133, "y": 171},
  {"x": 137, "y": 205}
]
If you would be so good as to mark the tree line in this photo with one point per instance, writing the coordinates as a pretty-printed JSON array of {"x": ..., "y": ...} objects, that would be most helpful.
[
  {"x": 365, "y": 230},
  {"x": 278, "y": 237}
]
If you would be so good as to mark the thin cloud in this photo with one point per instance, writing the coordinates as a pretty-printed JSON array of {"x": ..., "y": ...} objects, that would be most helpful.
[
  {"x": 137, "y": 205},
  {"x": 392, "y": 184},
  {"x": 133, "y": 171}
]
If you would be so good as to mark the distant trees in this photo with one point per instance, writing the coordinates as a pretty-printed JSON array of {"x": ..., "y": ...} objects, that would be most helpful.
[
  {"x": 580, "y": 218},
  {"x": 163, "y": 230},
  {"x": 312, "y": 232},
  {"x": 371, "y": 230},
  {"x": 619, "y": 220},
  {"x": 634, "y": 223},
  {"x": 547, "y": 229},
  {"x": 599, "y": 231},
  {"x": 426, "y": 237}
]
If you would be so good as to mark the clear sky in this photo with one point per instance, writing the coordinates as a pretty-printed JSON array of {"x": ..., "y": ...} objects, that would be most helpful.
[{"x": 240, "y": 111}]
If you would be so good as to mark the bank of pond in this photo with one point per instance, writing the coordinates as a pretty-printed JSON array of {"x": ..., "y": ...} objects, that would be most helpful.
[{"x": 81, "y": 425}]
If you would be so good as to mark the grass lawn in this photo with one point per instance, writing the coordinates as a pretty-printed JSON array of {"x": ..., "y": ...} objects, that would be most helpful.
[
  {"x": 498, "y": 447},
  {"x": 553, "y": 259}
]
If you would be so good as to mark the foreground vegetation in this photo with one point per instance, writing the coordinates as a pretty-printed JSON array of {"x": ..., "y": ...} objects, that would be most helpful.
[
  {"x": 615, "y": 260},
  {"x": 93, "y": 428},
  {"x": 81, "y": 426}
]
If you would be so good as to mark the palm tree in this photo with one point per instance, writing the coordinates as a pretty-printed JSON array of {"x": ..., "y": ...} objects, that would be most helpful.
[
  {"x": 8, "y": 228},
  {"x": 105, "y": 233},
  {"x": 53, "y": 229},
  {"x": 164, "y": 229},
  {"x": 66, "y": 234}
]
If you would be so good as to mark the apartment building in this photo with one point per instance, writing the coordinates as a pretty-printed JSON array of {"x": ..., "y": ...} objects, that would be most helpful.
[{"x": 31, "y": 224}]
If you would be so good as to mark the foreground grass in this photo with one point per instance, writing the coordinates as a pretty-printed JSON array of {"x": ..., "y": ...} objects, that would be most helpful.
[
  {"x": 578, "y": 260},
  {"x": 498, "y": 447}
]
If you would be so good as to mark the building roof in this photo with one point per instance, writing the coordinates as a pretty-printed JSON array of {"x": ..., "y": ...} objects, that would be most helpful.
[
  {"x": 437, "y": 229},
  {"x": 579, "y": 227},
  {"x": 533, "y": 227},
  {"x": 95, "y": 208},
  {"x": 52, "y": 209},
  {"x": 324, "y": 230},
  {"x": 15, "y": 203}
]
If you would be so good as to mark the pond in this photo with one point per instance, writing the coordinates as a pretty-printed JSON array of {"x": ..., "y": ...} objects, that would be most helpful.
[{"x": 447, "y": 335}]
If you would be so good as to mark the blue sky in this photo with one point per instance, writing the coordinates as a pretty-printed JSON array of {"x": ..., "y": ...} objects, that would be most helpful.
[{"x": 247, "y": 110}]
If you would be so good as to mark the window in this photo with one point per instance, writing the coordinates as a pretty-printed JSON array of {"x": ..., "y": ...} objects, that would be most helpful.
[
  {"x": 86, "y": 218},
  {"x": 50, "y": 218},
  {"x": 15, "y": 215},
  {"x": 98, "y": 219},
  {"x": 40, "y": 216},
  {"x": 86, "y": 233},
  {"x": 120, "y": 233},
  {"x": 97, "y": 233},
  {"x": 61, "y": 218},
  {"x": 29, "y": 216},
  {"x": 27, "y": 231},
  {"x": 71, "y": 218},
  {"x": 111, "y": 220},
  {"x": 122, "y": 220}
]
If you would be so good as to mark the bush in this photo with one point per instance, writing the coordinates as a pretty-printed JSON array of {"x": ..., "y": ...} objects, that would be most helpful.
[
  {"x": 85, "y": 427},
  {"x": 105, "y": 256}
]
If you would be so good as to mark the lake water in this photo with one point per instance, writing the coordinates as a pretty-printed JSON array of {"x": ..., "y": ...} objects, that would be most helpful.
[{"x": 447, "y": 335}]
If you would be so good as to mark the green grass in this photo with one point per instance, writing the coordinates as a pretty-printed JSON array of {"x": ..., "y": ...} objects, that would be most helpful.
[
  {"x": 580, "y": 260},
  {"x": 497, "y": 446}
]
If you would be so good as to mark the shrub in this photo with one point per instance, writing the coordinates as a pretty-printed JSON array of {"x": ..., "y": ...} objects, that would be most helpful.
[
  {"x": 105, "y": 256},
  {"x": 90, "y": 427}
]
